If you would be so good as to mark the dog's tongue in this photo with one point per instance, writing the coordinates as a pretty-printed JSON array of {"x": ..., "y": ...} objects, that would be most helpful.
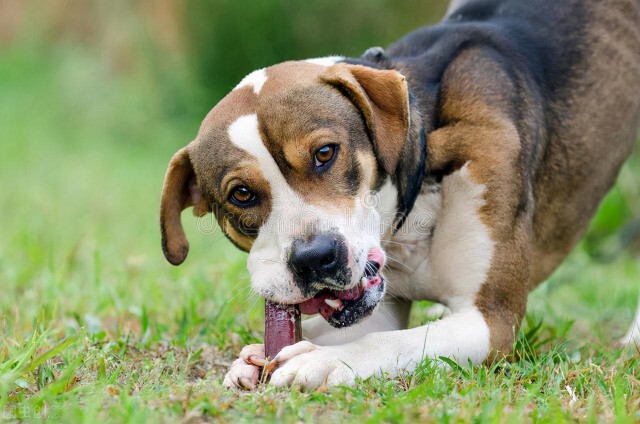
[
  {"x": 312, "y": 306},
  {"x": 352, "y": 293},
  {"x": 318, "y": 305}
]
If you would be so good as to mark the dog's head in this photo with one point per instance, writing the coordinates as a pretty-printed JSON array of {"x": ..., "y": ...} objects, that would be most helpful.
[{"x": 305, "y": 165}]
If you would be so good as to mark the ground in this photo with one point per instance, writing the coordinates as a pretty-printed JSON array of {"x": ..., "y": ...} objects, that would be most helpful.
[{"x": 95, "y": 325}]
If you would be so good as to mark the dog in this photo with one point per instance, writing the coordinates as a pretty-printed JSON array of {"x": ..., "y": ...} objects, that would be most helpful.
[{"x": 460, "y": 165}]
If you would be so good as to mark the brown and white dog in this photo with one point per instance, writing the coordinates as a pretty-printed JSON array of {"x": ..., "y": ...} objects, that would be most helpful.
[{"x": 461, "y": 165}]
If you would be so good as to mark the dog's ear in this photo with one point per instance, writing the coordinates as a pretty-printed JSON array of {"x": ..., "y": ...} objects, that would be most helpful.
[
  {"x": 383, "y": 98},
  {"x": 180, "y": 190}
]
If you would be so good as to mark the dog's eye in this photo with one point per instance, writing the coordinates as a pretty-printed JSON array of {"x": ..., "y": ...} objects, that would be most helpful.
[
  {"x": 325, "y": 154},
  {"x": 242, "y": 196}
]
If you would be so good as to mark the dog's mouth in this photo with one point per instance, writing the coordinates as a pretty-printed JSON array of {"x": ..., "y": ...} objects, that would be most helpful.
[{"x": 344, "y": 308}]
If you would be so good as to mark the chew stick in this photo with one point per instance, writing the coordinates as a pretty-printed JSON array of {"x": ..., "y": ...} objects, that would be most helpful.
[{"x": 281, "y": 327}]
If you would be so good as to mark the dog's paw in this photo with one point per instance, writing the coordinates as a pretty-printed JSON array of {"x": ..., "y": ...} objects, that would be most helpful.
[
  {"x": 245, "y": 371},
  {"x": 309, "y": 366}
]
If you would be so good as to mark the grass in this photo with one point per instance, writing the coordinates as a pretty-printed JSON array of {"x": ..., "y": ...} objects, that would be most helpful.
[{"x": 95, "y": 325}]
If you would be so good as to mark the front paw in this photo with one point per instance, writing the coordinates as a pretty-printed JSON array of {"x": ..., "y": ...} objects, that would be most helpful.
[
  {"x": 245, "y": 371},
  {"x": 309, "y": 366}
]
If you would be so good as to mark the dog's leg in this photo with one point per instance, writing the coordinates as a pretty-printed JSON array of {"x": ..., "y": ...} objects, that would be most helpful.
[
  {"x": 391, "y": 315},
  {"x": 463, "y": 336}
]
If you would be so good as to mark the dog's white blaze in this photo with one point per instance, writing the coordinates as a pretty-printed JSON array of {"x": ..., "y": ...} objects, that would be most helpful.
[
  {"x": 244, "y": 134},
  {"x": 255, "y": 79},
  {"x": 633, "y": 335},
  {"x": 269, "y": 276},
  {"x": 325, "y": 61}
]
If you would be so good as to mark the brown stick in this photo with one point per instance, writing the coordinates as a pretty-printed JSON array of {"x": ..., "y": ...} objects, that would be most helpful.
[{"x": 281, "y": 327}]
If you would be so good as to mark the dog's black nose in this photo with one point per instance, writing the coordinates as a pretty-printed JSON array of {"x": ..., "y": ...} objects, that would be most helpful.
[{"x": 318, "y": 258}]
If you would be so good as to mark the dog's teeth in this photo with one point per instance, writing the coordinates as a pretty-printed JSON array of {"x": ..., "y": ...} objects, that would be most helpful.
[
  {"x": 363, "y": 282},
  {"x": 334, "y": 303}
]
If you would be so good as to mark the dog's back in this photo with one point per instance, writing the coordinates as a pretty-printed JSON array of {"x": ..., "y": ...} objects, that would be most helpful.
[
  {"x": 597, "y": 121},
  {"x": 578, "y": 62}
]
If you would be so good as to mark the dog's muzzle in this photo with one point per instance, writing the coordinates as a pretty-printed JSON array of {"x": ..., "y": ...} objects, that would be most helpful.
[{"x": 321, "y": 271}]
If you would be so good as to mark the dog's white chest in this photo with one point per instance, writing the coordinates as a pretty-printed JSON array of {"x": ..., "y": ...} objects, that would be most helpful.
[{"x": 444, "y": 250}]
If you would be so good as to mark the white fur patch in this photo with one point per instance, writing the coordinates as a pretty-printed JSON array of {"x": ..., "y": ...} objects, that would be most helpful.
[
  {"x": 463, "y": 336},
  {"x": 244, "y": 134},
  {"x": 461, "y": 249},
  {"x": 443, "y": 252},
  {"x": 255, "y": 79},
  {"x": 325, "y": 61},
  {"x": 409, "y": 249},
  {"x": 268, "y": 276}
]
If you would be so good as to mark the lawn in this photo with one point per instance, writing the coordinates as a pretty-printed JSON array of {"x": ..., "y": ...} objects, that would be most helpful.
[{"x": 95, "y": 325}]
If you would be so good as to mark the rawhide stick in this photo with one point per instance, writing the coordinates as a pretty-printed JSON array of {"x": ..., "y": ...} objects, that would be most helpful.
[{"x": 281, "y": 327}]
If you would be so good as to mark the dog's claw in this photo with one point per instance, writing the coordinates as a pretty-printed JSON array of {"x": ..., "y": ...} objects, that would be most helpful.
[
  {"x": 241, "y": 375},
  {"x": 247, "y": 383},
  {"x": 257, "y": 360},
  {"x": 245, "y": 371}
]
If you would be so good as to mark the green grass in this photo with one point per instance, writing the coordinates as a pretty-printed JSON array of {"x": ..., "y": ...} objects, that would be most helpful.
[{"x": 95, "y": 325}]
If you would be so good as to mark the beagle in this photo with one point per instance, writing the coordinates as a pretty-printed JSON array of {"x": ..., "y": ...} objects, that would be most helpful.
[{"x": 460, "y": 165}]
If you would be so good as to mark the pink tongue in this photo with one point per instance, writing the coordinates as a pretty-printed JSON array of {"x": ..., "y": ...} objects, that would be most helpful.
[
  {"x": 318, "y": 305},
  {"x": 312, "y": 306},
  {"x": 353, "y": 293}
]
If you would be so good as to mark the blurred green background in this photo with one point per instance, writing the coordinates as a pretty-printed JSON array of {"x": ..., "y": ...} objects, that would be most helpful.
[{"x": 95, "y": 97}]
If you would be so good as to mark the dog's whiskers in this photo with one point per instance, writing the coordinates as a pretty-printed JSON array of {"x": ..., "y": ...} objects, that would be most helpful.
[
  {"x": 414, "y": 242},
  {"x": 400, "y": 262},
  {"x": 369, "y": 267},
  {"x": 392, "y": 317},
  {"x": 274, "y": 261},
  {"x": 238, "y": 293},
  {"x": 255, "y": 299},
  {"x": 403, "y": 295}
]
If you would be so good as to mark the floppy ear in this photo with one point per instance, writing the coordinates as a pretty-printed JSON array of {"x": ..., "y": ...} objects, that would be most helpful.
[
  {"x": 383, "y": 98},
  {"x": 180, "y": 190}
]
